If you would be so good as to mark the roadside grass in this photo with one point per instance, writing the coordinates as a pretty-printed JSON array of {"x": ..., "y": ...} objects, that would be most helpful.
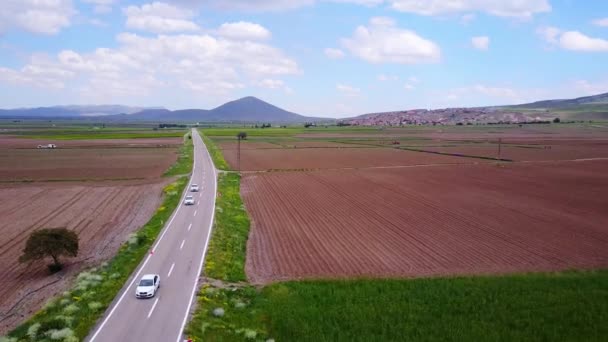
[
  {"x": 228, "y": 245},
  {"x": 567, "y": 306},
  {"x": 215, "y": 152},
  {"x": 71, "y": 316},
  {"x": 184, "y": 162}
]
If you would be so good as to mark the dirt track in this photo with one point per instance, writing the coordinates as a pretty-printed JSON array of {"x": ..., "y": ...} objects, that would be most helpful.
[{"x": 442, "y": 220}]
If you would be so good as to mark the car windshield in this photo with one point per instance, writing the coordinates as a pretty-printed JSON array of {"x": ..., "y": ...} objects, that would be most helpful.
[
  {"x": 146, "y": 282},
  {"x": 194, "y": 185},
  {"x": 188, "y": 197}
]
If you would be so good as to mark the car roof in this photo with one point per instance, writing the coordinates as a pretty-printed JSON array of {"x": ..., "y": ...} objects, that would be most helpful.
[
  {"x": 194, "y": 184},
  {"x": 148, "y": 276}
]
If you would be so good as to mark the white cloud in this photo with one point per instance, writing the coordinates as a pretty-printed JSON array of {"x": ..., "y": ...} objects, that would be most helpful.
[
  {"x": 348, "y": 90},
  {"x": 334, "y": 53},
  {"x": 271, "y": 84},
  {"x": 601, "y": 22},
  {"x": 591, "y": 88},
  {"x": 250, "y": 5},
  {"x": 480, "y": 42},
  {"x": 501, "y": 8},
  {"x": 268, "y": 5},
  {"x": 101, "y": 6},
  {"x": 159, "y": 17},
  {"x": 411, "y": 83},
  {"x": 572, "y": 40},
  {"x": 368, "y": 3},
  {"x": 167, "y": 64},
  {"x": 36, "y": 16},
  {"x": 383, "y": 42},
  {"x": 244, "y": 30},
  {"x": 549, "y": 34}
]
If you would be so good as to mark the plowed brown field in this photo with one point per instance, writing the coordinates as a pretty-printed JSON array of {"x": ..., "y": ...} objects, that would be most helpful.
[
  {"x": 330, "y": 158},
  {"x": 425, "y": 221},
  {"x": 84, "y": 164},
  {"x": 532, "y": 150},
  {"x": 102, "y": 215}
]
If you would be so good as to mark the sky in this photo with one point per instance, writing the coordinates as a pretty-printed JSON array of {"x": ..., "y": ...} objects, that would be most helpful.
[{"x": 331, "y": 58}]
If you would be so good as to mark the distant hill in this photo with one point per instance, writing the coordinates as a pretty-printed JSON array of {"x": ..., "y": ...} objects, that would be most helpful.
[
  {"x": 601, "y": 99},
  {"x": 247, "y": 109},
  {"x": 582, "y": 108},
  {"x": 69, "y": 111}
]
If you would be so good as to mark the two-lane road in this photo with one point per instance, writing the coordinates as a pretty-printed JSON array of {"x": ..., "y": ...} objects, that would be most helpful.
[{"x": 177, "y": 256}]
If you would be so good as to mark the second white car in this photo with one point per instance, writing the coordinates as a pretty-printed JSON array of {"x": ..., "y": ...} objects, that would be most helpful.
[{"x": 189, "y": 200}]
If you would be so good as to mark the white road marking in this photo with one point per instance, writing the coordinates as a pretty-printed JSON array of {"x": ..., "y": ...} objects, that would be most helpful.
[
  {"x": 196, "y": 211},
  {"x": 182, "y": 245},
  {"x": 170, "y": 270},
  {"x": 153, "y": 306},
  {"x": 190, "y": 226},
  {"x": 200, "y": 266}
]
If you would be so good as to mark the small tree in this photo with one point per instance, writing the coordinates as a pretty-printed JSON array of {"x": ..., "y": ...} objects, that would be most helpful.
[
  {"x": 53, "y": 242},
  {"x": 556, "y": 120},
  {"x": 241, "y": 135}
]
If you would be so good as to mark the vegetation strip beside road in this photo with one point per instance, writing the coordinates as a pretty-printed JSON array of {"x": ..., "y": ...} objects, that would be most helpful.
[
  {"x": 184, "y": 162},
  {"x": 215, "y": 152},
  {"x": 72, "y": 315}
]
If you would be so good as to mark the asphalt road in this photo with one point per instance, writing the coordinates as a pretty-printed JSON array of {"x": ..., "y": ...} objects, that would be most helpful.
[{"x": 177, "y": 256}]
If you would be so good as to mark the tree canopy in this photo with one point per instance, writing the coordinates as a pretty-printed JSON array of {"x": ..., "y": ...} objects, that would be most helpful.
[{"x": 52, "y": 242}]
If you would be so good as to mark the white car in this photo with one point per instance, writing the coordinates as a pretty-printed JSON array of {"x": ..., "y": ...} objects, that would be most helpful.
[
  {"x": 189, "y": 200},
  {"x": 148, "y": 285},
  {"x": 194, "y": 187}
]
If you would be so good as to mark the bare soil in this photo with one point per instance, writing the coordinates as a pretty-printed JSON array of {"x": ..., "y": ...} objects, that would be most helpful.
[
  {"x": 7, "y": 141},
  {"x": 103, "y": 215},
  {"x": 331, "y": 158},
  {"x": 426, "y": 221},
  {"x": 85, "y": 163}
]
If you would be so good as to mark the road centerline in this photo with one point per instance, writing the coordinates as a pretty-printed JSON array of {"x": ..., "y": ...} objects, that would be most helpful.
[
  {"x": 189, "y": 226},
  {"x": 153, "y": 307},
  {"x": 170, "y": 270},
  {"x": 182, "y": 245}
]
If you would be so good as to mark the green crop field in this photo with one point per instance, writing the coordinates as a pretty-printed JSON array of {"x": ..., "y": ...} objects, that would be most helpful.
[{"x": 568, "y": 306}]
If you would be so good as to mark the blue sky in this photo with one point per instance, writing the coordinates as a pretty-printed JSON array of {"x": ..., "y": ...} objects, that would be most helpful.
[{"x": 331, "y": 58}]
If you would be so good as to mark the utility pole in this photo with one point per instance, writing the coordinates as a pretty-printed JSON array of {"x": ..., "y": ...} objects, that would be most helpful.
[
  {"x": 239, "y": 137},
  {"x": 499, "y": 147},
  {"x": 238, "y": 153}
]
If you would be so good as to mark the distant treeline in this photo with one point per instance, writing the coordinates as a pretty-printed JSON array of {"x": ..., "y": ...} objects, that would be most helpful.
[{"x": 172, "y": 126}]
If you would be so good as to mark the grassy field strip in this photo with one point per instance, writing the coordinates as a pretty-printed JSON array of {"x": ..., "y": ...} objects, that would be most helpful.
[
  {"x": 215, "y": 152},
  {"x": 72, "y": 315},
  {"x": 184, "y": 162}
]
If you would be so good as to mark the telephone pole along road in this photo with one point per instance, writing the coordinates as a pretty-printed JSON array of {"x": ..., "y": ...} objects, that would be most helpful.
[{"x": 177, "y": 256}]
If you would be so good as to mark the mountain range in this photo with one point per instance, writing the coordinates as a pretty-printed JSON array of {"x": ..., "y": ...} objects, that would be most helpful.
[
  {"x": 247, "y": 109},
  {"x": 250, "y": 109}
]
